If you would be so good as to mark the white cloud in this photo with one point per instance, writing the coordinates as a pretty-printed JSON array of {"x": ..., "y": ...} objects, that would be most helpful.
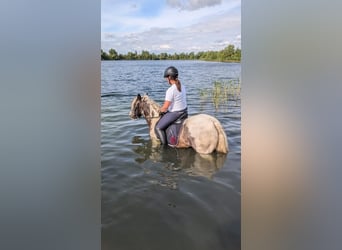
[
  {"x": 165, "y": 46},
  {"x": 192, "y": 4},
  {"x": 172, "y": 30}
]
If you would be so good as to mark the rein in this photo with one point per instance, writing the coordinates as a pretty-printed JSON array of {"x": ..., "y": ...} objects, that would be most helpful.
[{"x": 151, "y": 117}]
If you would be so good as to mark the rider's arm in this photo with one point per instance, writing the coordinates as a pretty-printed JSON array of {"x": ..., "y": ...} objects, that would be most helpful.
[{"x": 165, "y": 106}]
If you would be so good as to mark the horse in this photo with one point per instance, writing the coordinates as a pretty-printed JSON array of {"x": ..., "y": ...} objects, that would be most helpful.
[{"x": 202, "y": 132}]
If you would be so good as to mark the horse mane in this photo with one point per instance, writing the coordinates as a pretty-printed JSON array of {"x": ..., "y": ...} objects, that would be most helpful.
[{"x": 151, "y": 108}]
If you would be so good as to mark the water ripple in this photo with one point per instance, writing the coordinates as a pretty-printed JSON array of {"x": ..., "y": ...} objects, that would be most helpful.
[{"x": 155, "y": 194}]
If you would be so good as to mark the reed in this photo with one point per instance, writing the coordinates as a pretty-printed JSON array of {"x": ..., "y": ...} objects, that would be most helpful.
[{"x": 223, "y": 93}]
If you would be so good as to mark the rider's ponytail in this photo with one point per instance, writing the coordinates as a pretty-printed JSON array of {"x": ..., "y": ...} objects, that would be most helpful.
[{"x": 178, "y": 85}]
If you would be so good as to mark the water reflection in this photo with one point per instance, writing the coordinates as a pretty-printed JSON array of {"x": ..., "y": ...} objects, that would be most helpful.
[{"x": 184, "y": 160}]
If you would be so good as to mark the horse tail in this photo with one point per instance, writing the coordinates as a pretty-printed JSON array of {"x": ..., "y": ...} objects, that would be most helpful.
[{"x": 222, "y": 145}]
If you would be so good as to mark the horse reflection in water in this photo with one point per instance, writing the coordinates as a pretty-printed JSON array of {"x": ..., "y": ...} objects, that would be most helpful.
[{"x": 179, "y": 160}]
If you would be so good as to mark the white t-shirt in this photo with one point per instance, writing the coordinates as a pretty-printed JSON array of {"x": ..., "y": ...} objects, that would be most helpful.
[{"x": 177, "y": 99}]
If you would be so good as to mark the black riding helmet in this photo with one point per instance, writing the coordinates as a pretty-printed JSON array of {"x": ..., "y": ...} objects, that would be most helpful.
[{"x": 171, "y": 71}]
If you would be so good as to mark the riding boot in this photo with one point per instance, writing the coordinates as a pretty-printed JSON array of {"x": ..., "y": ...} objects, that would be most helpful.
[{"x": 161, "y": 135}]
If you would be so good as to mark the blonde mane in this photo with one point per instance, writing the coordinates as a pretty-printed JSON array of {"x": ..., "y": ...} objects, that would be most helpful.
[{"x": 151, "y": 108}]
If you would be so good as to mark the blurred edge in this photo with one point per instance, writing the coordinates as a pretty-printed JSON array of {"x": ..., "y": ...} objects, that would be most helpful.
[
  {"x": 291, "y": 121},
  {"x": 50, "y": 125}
]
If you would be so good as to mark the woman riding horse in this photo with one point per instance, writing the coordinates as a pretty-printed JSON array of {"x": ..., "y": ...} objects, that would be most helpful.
[
  {"x": 202, "y": 132},
  {"x": 174, "y": 105}
]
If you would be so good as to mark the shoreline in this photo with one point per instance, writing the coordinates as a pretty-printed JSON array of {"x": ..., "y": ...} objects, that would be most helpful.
[{"x": 226, "y": 61}]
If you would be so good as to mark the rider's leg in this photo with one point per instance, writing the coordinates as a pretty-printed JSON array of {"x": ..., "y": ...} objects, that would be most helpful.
[
  {"x": 161, "y": 135},
  {"x": 163, "y": 123}
]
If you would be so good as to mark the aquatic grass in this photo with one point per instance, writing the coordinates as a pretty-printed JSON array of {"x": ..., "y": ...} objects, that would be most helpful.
[
  {"x": 223, "y": 93},
  {"x": 203, "y": 93}
]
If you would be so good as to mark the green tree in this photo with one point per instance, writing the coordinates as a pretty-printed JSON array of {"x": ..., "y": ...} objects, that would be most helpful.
[
  {"x": 163, "y": 56},
  {"x": 131, "y": 55},
  {"x": 104, "y": 55},
  {"x": 145, "y": 55},
  {"x": 228, "y": 52},
  {"x": 237, "y": 54},
  {"x": 175, "y": 56},
  {"x": 192, "y": 56},
  {"x": 113, "y": 54}
]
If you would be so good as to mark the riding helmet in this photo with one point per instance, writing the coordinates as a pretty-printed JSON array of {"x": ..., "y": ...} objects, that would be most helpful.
[{"x": 171, "y": 71}]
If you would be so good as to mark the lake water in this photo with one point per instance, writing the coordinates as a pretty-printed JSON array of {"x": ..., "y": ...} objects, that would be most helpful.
[{"x": 166, "y": 198}]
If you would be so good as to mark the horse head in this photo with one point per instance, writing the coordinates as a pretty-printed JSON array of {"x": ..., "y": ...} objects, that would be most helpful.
[
  {"x": 144, "y": 106},
  {"x": 136, "y": 107}
]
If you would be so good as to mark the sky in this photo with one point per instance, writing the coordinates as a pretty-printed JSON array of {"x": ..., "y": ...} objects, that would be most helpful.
[{"x": 170, "y": 26}]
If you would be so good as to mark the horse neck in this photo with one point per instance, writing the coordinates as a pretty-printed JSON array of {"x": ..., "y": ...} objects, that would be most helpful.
[{"x": 151, "y": 111}]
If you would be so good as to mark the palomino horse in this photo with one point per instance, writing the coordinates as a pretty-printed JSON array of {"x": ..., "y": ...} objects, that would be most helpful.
[{"x": 203, "y": 133}]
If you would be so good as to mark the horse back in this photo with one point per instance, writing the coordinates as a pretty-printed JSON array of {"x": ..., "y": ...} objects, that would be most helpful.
[{"x": 204, "y": 133}]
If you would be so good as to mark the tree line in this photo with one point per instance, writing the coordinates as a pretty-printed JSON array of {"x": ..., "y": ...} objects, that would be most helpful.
[{"x": 228, "y": 54}]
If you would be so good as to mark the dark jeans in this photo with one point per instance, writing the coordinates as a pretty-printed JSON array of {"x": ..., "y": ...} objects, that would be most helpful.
[{"x": 166, "y": 120}]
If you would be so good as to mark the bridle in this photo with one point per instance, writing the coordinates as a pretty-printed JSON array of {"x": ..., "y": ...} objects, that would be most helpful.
[{"x": 140, "y": 108}]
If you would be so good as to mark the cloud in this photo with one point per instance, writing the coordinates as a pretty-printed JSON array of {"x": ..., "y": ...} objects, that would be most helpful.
[
  {"x": 192, "y": 4},
  {"x": 165, "y": 46},
  {"x": 214, "y": 33},
  {"x": 201, "y": 30},
  {"x": 222, "y": 43}
]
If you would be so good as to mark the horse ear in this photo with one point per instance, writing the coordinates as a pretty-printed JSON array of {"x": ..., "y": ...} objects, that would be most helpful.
[{"x": 139, "y": 97}]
